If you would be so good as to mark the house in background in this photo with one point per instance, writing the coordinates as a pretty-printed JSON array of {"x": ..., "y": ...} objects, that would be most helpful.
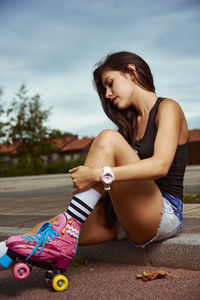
[
  {"x": 69, "y": 148},
  {"x": 72, "y": 148},
  {"x": 194, "y": 147},
  {"x": 8, "y": 154},
  {"x": 76, "y": 148},
  {"x": 57, "y": 145}
]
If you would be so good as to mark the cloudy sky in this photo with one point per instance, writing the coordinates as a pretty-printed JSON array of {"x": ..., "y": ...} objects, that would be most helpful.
[{"x": 52, "y": 47}]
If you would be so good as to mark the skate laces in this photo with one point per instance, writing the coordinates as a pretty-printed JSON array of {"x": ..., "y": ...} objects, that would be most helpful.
[{"x": 44, "y": 235}]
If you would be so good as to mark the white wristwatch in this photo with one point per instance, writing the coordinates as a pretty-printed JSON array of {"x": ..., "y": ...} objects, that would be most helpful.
[{"x": 107, "y": 177}]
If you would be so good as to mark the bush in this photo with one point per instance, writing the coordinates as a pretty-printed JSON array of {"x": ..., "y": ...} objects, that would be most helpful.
[
  {"x": 191, "y": 198},
  {"x": 16, "y": 171},
  {"x": 62, "y": 166},
  {"x": 59, "y": 166}
]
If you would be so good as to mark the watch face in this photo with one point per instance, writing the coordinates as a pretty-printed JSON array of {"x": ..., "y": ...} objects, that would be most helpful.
[{"x": 107, "y": 178}]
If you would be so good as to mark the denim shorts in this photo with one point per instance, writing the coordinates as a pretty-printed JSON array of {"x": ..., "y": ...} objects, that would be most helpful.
[{"x": 170, "y": 224}]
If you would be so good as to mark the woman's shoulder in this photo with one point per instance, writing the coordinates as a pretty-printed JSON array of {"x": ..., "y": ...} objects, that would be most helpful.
[
  {"x": 169, "y": 104},
  {"x": 170, "y": 111}
]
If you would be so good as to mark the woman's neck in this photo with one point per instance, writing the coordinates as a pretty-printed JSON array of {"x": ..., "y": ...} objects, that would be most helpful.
[{"x": 144, "y": 101}]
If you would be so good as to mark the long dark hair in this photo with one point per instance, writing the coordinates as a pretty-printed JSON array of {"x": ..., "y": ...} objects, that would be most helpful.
[{"x": 125, "y": 120}]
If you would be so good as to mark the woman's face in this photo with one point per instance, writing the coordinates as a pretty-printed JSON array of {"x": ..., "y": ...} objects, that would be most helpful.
[{"x": 119, "y": 88}]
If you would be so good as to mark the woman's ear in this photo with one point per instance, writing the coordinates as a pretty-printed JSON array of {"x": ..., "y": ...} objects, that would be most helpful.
[{"x": 132, "y": 68}]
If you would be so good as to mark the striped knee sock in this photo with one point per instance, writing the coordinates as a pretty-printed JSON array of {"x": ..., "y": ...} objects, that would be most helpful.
[
  {"x": 82, "y": 204},
  {"x": 3, "y": 248}
]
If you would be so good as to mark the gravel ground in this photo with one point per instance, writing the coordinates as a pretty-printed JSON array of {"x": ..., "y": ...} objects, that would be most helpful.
[{"x": 105, "y": 281}]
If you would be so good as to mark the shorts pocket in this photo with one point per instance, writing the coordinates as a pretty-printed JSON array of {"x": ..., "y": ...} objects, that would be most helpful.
[{"x": 170, "y": 224}]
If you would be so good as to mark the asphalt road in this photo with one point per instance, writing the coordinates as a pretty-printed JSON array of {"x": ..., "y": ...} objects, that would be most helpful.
[
  {"x": 105, "y": 281},
  {"x": 52, "y": 193},
  {"x": 192, "y": 179},
  {"x": 60, "y": 184}
]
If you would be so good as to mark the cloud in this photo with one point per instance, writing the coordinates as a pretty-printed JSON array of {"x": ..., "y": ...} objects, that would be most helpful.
[
  {"x": 52, "y": 47},
  {"x": 193, "y": 120}
]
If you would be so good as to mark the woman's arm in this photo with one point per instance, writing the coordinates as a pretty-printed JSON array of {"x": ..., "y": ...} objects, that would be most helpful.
[{"x": 169, "y": 123}]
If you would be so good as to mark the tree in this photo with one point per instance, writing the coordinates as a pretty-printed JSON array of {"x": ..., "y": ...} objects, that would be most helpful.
[
  {"x": 26, "y": 125},
  {"x": 2, "y": 123},
  {"x": 1, "y": 129},
  {"x": 55, "y": 134}
]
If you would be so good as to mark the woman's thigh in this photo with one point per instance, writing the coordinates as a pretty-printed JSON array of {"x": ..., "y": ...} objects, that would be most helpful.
[
  {"x": 137, "y": 204},
  {"x": 138, "y": 207},
  {"x": 139, "y": 217}
]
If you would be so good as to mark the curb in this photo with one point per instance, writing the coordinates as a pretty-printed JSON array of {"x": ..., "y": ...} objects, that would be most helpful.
[{"x": 182, "y": 252}]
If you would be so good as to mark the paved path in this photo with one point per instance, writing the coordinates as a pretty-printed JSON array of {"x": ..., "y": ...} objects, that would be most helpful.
[
  {"x": 10, "y": 185},
  {"x": 105, "y": 282},
  {"x": 192, "y": 179}
]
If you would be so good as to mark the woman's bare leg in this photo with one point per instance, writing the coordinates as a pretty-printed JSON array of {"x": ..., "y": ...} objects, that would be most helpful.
[
  {"x": 137, "y": 205},
  {"x": 93, "y": 230}
]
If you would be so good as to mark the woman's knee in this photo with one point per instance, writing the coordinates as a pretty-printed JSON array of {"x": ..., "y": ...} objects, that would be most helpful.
[
  {"x": 112, "y": 144},
  {"x": 108, "y": 136},
  {"x": 109, "y": 139},
  {"x": 105, "y": 141}
]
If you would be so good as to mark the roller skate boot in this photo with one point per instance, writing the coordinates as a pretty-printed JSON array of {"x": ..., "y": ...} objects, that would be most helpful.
[{"x": 56, "y": 243}]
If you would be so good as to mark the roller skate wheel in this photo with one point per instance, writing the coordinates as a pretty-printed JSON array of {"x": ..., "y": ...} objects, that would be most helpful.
[
  {"x": 21, "y": 271},
  {"x": 59, "y": 283}
]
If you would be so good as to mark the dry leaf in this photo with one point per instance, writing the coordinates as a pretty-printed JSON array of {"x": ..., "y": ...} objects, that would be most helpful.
[{"x": 153, "y": 275}]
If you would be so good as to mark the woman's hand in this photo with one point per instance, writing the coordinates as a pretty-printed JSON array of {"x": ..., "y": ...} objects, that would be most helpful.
[{"x": 84, "y": 178}]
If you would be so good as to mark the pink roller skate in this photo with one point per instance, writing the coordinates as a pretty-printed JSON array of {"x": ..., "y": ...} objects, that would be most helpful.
[{"x": 52, "y": 248}]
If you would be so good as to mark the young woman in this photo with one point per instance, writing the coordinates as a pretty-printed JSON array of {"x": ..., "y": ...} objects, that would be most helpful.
[{"x": 137, "y": 171}]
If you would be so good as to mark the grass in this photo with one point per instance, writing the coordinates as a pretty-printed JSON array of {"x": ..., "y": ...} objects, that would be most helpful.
[{"x": 191, "y": 198}]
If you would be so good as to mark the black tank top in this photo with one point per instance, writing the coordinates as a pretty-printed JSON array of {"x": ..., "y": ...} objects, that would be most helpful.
[{"x": 172, "y": 183}]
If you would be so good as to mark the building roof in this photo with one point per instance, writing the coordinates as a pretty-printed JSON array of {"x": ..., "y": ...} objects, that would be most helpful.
[
  {"x": 77, "y": 144},
  {"x": 66, "y": 144},
  {"x": 63, "y": 145},
  {"x": 194, "y": 135},
  {"x": 60, "y": 143},
  {"x": 9, "y": 148}
]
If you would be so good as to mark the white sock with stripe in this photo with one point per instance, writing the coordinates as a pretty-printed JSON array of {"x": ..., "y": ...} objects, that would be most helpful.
[
  {"x": 3, "y": 248},
  {"x": 82, "y": 204}
]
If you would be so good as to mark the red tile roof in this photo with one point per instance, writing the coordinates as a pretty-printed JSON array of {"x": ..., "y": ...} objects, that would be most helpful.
[
  {"x": 71, "y": 144},
  {"x": 60, "y": 143},
  {"x": 77, "y": 144},
  {"x": 194, "y": 135},
  {"x": 63, "y": 145},
  {"x": 9, "y": 148}
]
